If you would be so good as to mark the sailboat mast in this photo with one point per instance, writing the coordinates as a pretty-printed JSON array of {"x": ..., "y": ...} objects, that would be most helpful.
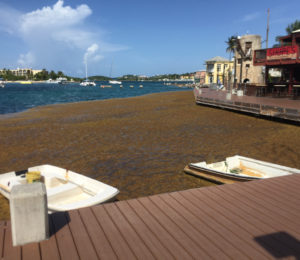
[{"x": 86, "y": 69}]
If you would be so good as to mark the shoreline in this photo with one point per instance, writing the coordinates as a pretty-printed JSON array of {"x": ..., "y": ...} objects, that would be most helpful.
[{"x": 139, "y": 144}]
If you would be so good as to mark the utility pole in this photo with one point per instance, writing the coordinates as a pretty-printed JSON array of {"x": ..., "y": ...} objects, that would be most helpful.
[{"x": 267, "y": 38}]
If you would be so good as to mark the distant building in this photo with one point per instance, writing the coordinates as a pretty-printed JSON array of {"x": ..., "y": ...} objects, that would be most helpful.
[
  {"x": 23, "y": 72},
  {"x": 245, "y": 71},
  {"x": 218, "y": 70},
  {"x": 187, "y": 77},
  {"x": 200, "y": 76}
]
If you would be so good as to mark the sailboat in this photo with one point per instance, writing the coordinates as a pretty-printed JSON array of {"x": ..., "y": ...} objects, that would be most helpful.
[
  {"x": 87, "y": 82},
  {"x": 116, "y": 82}
]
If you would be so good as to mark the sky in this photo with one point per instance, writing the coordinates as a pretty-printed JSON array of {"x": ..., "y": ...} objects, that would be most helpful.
[{"x": 119, "y": 37}]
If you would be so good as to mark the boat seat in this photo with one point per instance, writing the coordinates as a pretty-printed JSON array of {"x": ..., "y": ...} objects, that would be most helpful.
[
  {"x": 92, "y": 201},
  {"x": 65, "y": 187}
]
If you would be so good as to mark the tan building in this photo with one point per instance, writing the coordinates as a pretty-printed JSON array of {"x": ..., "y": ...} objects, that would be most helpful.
[
  {"x": 200, "y": 76},
  {"x": 218, "y": 70},
  {"x": 24, "y": 72},
  {"x": 245, "y": 71}
]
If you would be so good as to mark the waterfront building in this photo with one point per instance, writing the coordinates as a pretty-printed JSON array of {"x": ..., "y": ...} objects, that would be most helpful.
[
  {"x": 22, "y": 72},
  {"x": 218, "y": 70},
  {"x": 286, "y": 60},
  {"x": 200, "y": 76},
  {"x": 245, "y": 71}
]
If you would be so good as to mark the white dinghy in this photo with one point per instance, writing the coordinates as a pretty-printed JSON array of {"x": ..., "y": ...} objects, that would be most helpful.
[
  {"x": 66, "y": 190},
  {"x": 237, "y": 169}
]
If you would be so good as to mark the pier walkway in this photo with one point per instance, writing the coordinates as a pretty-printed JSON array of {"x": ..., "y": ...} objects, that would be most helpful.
[
  {"x": 277, "y": 107},
  {"x": 256, "y": 220}
]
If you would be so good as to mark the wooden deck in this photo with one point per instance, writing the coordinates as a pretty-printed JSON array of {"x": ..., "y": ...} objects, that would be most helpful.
[
  {"x": 256, "y": 220},
  {"x": 281, "y": 108}
]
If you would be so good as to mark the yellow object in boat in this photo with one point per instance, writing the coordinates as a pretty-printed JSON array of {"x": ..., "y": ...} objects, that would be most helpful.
[{"x": 33, "y": 176}]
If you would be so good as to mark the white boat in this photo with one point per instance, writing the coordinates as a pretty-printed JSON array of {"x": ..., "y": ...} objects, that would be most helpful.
[
  {"x": 238, "y": 168},
  {"x": 59, "y": 80},
  {"x": 115, "y": 82},
  {"x": 2, "y": 83},
  {"x": 87, "y": 83},
  {"x": 66, "y": 190}
]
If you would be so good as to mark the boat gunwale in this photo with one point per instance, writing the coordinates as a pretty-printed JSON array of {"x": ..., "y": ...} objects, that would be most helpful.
[{"x": 219, "y": 173}]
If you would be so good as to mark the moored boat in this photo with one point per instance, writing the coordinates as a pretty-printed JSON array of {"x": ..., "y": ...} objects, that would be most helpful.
[
  {"x": 238, "y": 169},
  {"x": 87, "y": 83},
  {"x": 66, "y": 190},
  {"x": 115, "y": 82}
]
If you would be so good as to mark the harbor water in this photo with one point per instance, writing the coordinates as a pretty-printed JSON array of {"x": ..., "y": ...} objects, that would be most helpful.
[{"x": 15, "y": 97}]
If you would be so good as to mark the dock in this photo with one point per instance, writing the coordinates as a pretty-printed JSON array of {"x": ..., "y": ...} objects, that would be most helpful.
[
  {"x": 256, "y": 220},
  {"x": 274, "y": 107}
]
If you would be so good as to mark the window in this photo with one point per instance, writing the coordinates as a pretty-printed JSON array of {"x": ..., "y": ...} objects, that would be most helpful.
[
  {"x": 218, "y": 67},
  {"x": 248, "y": 47}
]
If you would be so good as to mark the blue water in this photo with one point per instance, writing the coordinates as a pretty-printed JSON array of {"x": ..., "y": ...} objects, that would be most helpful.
[{"x": 17, "y": 97}]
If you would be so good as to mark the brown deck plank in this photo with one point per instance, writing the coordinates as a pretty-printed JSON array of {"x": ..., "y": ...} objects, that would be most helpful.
[
  {"x": 2, "y": 234},
  {"x": 81, "y": 238},
  {"x": 215, "y": 240},
  {"x": 265, "y": 215},
  {"x": 275, "y": 199},
  {"x": 253, "y": 225},
  {"x": 178, "y": 232},
  {"x": 216, "y": 229},
  {"x": 166, "y": 239},
  {"x": 31, "y": 251},
  {"x": 65, "y": 242},
  {"x": 117, "y": 241},
  {"x": 280, "y": 187},
  {"x": 263, "y": 205},
  {"x": 265, "y": 226},
  {"x": 241, "y": 238},
  {"x": 101, "y": 243},
  {"x": 135, "y": 242},
  {"x": 150, "y": 238},
  {"x": 49, "y": 248},
  {"x": 10, "y": 251},
  {"x": 192, "y": 225},
  {"x": 280, "y": 184}
]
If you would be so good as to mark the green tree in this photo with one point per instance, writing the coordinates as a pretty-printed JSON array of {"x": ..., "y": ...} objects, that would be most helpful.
[
  {"x": 43, "y": 75},
  {"x": 60, "y": 74},
  {"x": 289, "y": 29},
  {"x": 231, "y": 45},
  {"x": 293, "y": 27},
  {"x": 231, "y": 48},
  {"x": 52, "y": 75}
]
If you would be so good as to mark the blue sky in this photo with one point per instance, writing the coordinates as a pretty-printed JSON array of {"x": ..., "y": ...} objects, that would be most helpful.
[{"x": 133, "y": 36}]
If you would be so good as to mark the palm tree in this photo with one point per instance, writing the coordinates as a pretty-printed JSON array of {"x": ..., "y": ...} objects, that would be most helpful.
[{"x": 231, "y": 45}]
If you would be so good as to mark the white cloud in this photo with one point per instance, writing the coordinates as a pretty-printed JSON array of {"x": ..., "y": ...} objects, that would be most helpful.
[
  {"x": 250, "y": 17},
  {"x": 54, "y": 17},
  {"x": 26, "y": 60},
  {"x": 56, "y": 37},
  {"x": 90, "y": 52}
]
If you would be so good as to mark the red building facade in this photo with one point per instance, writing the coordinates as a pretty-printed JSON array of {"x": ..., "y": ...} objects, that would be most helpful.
[{"x": 285, "y": 59}]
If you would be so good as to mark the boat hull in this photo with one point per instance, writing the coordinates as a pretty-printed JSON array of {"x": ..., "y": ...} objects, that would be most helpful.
[
  {"x": 66, "y": 190},
  {"x": 238, "y": 169}
]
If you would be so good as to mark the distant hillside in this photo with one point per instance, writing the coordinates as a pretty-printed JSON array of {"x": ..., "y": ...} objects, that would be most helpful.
[{"x": 99, "y": 78}]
